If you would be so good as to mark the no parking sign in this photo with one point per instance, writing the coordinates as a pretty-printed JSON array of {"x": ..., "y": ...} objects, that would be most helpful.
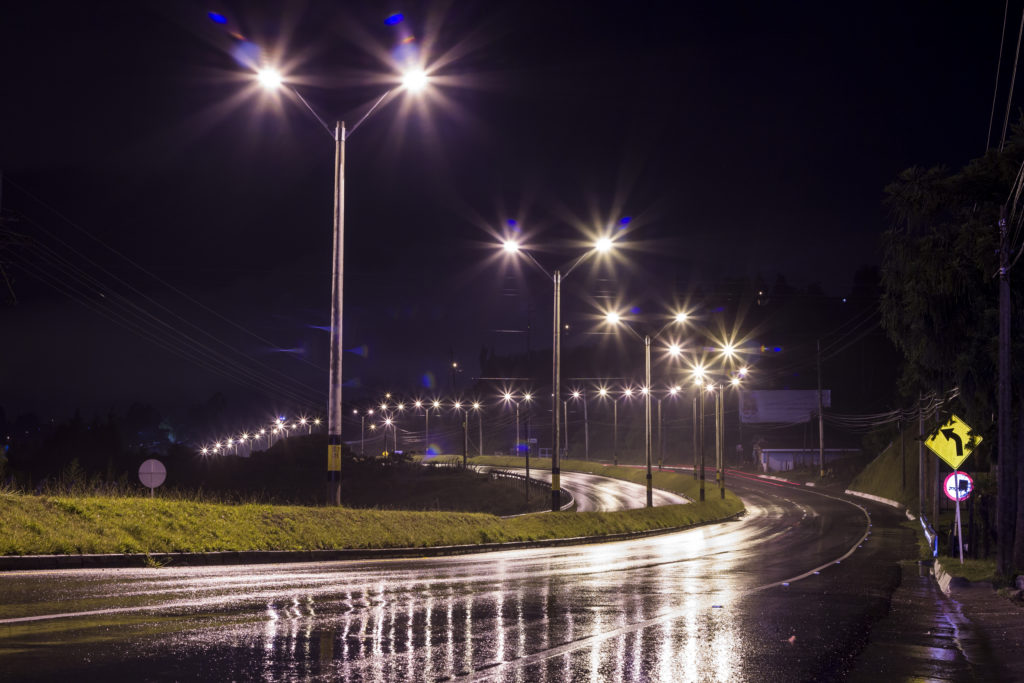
[{"x": 958, "y": 486}]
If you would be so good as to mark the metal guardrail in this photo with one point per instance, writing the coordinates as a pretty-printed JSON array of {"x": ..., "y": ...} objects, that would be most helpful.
[{"x": 565, "y": 497}]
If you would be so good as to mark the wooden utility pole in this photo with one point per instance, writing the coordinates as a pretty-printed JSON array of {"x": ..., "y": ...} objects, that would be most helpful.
[
  {"x": 1006, "y": 479},
  {"x": 821, "y": 422}
]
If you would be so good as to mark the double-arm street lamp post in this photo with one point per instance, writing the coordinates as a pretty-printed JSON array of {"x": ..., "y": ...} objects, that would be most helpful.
[
  {"x": 509, "y": 397},
  {"x": 581, "y": 395},
  {"x": 413, "y": 81},
  {"x": 616, "y": 319},
  {"x": 602, "y": 245},
  {"x": 603, "y": 392}
]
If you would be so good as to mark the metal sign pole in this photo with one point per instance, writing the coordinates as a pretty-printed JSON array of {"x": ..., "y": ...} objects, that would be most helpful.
[{"x": 959, "y": 528}]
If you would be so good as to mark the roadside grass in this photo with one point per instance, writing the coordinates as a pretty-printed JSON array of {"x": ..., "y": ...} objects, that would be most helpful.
[
  {"x": 971, "y": 569},
  {"x": 890, "y": 475},
  {"x": 34, "y": 525}
]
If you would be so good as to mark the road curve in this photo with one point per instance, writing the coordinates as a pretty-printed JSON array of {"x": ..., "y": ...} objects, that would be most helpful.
[
  {"x": 782, "y": 594},
  {"x": 594, "y": 493}
]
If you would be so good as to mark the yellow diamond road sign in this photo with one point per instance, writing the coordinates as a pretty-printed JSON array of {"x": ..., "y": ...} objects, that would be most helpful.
[{"x": 953, "y": 442}]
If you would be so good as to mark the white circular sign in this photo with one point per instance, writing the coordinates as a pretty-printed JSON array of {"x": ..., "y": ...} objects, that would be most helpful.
[
  {"x": 958, "y": 486},
  {"x": 152, "y": 473}
]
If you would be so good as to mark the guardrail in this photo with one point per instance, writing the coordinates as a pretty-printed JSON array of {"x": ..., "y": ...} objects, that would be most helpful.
[{"x": 566, "y": 499}]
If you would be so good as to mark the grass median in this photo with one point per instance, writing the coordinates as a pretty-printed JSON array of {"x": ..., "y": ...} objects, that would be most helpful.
[{"x": 34, "y": 525}]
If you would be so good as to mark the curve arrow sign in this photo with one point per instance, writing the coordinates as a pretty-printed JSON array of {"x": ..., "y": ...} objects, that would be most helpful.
[{"x": 951, "y": 435}]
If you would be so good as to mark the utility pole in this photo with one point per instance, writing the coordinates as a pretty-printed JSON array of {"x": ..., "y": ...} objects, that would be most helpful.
[
  {"x": 1006, "y": 475},
  {"x": 920, "y": 457},
  {"x": 821, "y": 422}
]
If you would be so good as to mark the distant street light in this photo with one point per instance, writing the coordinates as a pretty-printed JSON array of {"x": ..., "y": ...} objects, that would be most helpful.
[
  {"x": 580, "y": 395},
  {"x": 477, "y": 408},
  {"x": 511, "y": 246},
  {"x": 616, "y": 319},
  {"x": 509, "y": 397}
]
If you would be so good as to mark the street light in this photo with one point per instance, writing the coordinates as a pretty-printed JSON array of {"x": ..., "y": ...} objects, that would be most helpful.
[
  {"x": 601, "y": 245},
  {"x": 615, "y": 319},
  {"x": 457, "y": 405},
  {"x": 509, "y": 397},
  {"x": 480, "y": 426},
  {"x": 413, "y": 80},
  {"x": 580, "y": 395}
]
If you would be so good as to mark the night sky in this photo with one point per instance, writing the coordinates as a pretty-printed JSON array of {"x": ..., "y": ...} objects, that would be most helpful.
[{"x": 153, "y": 189}]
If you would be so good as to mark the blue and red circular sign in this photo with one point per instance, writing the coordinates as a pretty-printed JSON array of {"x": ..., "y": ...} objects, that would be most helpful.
[{"x": 958, "y": 486}]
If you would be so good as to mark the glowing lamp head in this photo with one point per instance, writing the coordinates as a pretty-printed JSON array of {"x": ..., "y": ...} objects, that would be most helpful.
[
  {"x": 645, "y": 390},
  {"x": 735, "y": 381},
  {"x": 627, "y": 392},
  {"x": 681, "y": 317},
  {"x": 418, "y": 404},
  {"x": 675, "y": 349},
  {"x": 317, "y": 422},
  {"x": 510, "y": 246},
  {"x": 743, "y": 372},
  {"x": 415, "y": 80},
  {"x": 673, "y": 390},
  {"x": 269, "y": 78},
  {"x": 613, "y": 317},
  {"x": 728, "y": 350},
  {"x": 508, "y": 396},
  {"x": 602, "y": 391},
  {"x": 527, "y": 397},
  {"x": 603, "y": 245},
  {"x": 437, "y": 404},
  {"x": 575, "y": 394}
]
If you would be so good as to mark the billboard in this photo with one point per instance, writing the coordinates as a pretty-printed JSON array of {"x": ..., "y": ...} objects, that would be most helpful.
[{"x": 782, "y": 406}]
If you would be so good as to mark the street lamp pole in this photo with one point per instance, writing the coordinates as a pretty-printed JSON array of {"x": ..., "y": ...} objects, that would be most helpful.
[
  {"x": 615, "y": 431},
  {"x": 703, "y": 389},
  {"x": 556, "y": 383},
  {"x": 647, "y": 418}
]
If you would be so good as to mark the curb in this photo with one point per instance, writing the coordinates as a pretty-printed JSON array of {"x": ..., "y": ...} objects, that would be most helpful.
[
  {"x": 155, "y": 560},
  {"x": 950, "y": 584},
  {"x": 877, "y": 499}
]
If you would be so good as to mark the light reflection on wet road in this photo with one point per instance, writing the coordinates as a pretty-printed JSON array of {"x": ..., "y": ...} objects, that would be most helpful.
[{"x": 719, "y": 602}]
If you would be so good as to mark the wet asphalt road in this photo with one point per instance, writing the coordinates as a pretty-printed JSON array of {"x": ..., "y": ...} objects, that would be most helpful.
[
  {"x": 598, "y": 494},
  {"x": 790, "y": 592}
]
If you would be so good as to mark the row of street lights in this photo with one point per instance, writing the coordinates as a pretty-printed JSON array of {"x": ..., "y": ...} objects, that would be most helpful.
[{"x": 280, "y": 428}]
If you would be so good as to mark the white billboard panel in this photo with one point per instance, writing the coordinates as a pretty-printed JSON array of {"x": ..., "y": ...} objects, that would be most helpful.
[{"x": 781, "y": 406}]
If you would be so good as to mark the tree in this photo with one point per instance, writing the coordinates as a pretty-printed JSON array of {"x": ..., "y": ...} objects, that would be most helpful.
[{"x": 940, "y": 299}]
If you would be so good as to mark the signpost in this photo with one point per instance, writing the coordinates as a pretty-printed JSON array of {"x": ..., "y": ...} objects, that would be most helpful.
[
  {"x": 958, "y": 486},
  {"x": 954, "y": 442},
  {"x": 152, "y": 474}
]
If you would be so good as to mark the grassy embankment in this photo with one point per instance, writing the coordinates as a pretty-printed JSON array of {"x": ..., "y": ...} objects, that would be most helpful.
[
  {"x": 69, "y": 525},
  {"x": 893, "y": 476}
]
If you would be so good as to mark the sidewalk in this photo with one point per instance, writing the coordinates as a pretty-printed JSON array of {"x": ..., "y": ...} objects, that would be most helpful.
[{"x": 999, "y": 618}]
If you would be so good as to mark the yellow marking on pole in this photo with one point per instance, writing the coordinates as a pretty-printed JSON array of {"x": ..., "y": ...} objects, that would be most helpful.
[
  {"x": 334, "y": 458},
  {"x": 555, "y": 483}
]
